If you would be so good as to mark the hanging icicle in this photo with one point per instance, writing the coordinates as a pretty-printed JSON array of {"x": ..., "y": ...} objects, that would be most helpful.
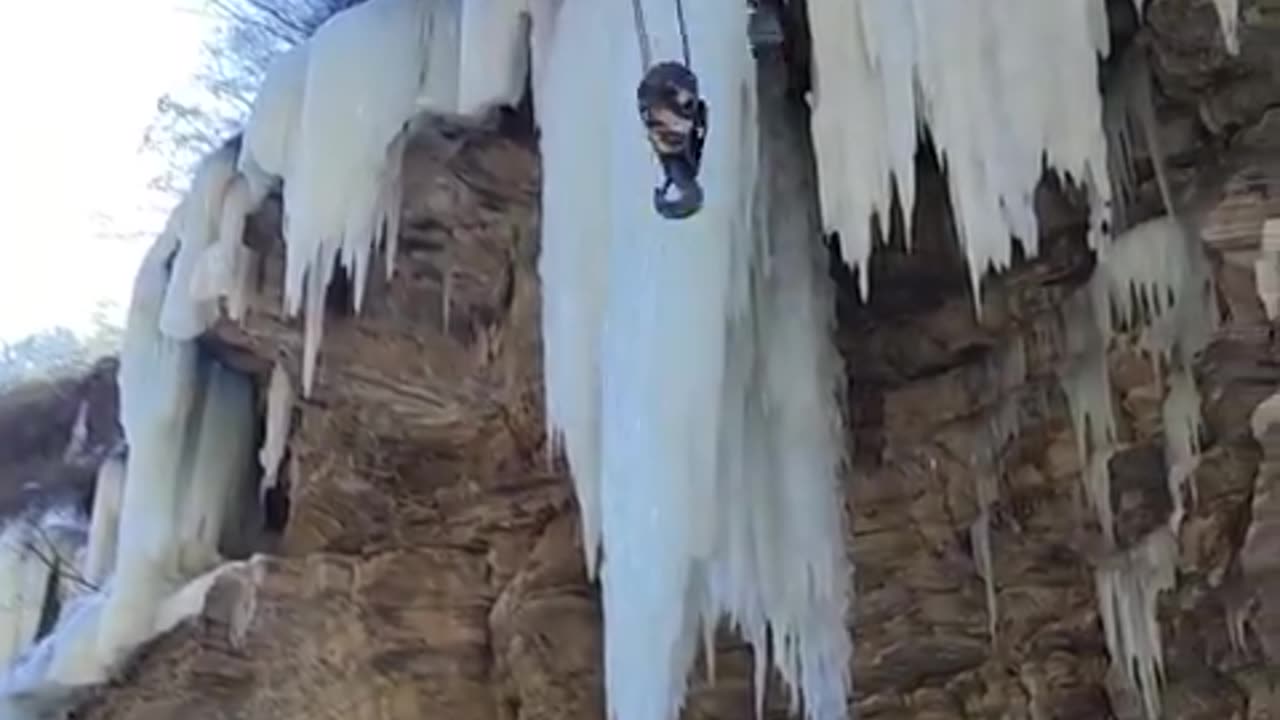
[
  {"x": 1154, "y": 278},
  {"x": 1007, "y": 374},
  {"x": 1267, "y": 268},
  {"x": 708, "y": 468},
  {"x": 1001, "y": 86},
  {"x": 104, "y": 522},
  {"x": 366, "y": 69},
  {"x": 280, "y": 399},
  {"x": 1129, "y": 586},
  {"x": 195, "y": 224},
  {"x": 270, "y": 133}
]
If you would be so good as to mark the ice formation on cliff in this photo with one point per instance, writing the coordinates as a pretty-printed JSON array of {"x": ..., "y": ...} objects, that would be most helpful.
[
  {"x": 1003, "y": 88},
  {"x": 194, "y": 227},
  {"x": 1153, "y": 280},
  {"x": 709, "y": 468},
  {"x": 368, "y": 71},
  {"x": 104, "y": 521},
  {"x": 280, "y": 399},
  {"x": 189, "y": 424}
]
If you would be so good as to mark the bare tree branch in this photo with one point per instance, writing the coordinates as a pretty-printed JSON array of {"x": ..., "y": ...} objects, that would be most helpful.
[{"x": 250, "y": 33}]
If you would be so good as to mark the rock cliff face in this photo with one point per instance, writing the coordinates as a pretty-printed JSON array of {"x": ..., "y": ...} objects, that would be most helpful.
[{"x": 429, "y": 566}]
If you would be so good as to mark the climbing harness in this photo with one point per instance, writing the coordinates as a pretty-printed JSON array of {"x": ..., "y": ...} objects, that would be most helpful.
[{"x": 675, "y": 117}]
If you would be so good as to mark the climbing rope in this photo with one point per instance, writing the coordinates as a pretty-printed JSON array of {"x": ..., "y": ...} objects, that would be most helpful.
[
  {"x": 675, "y": 117},
  {"x": 642, "y": 35}
]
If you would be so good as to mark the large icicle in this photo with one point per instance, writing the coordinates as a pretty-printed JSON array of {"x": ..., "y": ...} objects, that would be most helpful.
[
  {"x": 1086, "y": 383},
  {"x": 104, "y": 521},
  {"x": 280, "y": 399},
  {"x": 1007, "y": 374},
  {"x": 270, "y": 133},
  {"x": 781, "y": 536},
  {"x": 365, "y": 70},
  {"x": 667, "y": 304},
  {"x": 158, "y": 389},
  {"x": 223, "y": 267},
  {"x": 1001, "y": 85},
  {"x": 1129, "y": 586},
  {"x": 689, "y": 369},
  {"x": 189, "y": 425},
  {"x": 576, "y": 208},
  {"x": 195, "y": 224}
]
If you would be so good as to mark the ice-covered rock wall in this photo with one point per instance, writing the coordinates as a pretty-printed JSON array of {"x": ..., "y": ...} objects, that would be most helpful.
[
  {"x": 161, "y": 517},
  {"x": 330, "y": 122},
  {"x": 690, "y": 376},
  {"x": 709, "y": 468},
  {"x": 1002, "y": 89},
  {"x": 672, "y": 456}
]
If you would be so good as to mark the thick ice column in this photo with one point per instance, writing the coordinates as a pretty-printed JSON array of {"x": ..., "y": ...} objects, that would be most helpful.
[
  {"x": 216, "y": 472},
  {"x": 576, "y": 209},
  {"x": 494, "y": 61},
  {"x": 104, "y": 522},
  {"x": 158, "y": 388},
  {"x": 280, "y": 399},
  {"x": 689, "y": 366},
  {"x": 663, "y": 354}
]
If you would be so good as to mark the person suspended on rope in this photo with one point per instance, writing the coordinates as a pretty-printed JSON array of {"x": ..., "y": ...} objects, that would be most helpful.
[
  {"x": 675, "y": 120},
  {"x": 675, "y": 115}
]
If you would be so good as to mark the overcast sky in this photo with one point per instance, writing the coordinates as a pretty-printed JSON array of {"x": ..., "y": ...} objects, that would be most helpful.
[{"x": 79, "y": 80}]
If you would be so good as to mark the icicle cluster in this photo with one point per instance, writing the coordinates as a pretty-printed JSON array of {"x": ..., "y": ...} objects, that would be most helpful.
[
  {"x": 1001, "y": 86},
  {"x": 209, "y": 220},
  {"x": 1151, "y": 281},
  {"x": 280, "y": 400},
  {"x": 689, "y": 369},
  {"x": 331, "y": 121},
  {"x": 160, "y": 518},
  {"x": 1129, "y": 585}
]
